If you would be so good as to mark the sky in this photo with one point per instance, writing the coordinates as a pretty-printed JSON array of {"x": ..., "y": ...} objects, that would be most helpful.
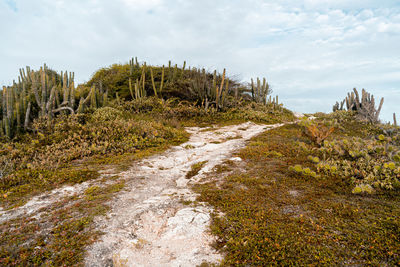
[{"x": 312, "y": 52}]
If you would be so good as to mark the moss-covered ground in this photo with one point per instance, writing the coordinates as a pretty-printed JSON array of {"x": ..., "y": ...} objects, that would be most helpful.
[{"x": 267, "y": 214}]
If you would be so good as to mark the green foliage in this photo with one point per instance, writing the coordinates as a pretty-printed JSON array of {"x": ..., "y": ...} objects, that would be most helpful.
[
  {"x": 134, "y": 80},
  {"x": 313, "y": 159},
  {"x": 363, "y": 162},
  {"x": 306, "y": 172},
  {"x": 35, "y": 159},
  {"x": 273, "y": 216},
  {"x": 363, "y": 154},
  {"x": 363, "y": 188},
  {"x": 53, "y": 133},
  {"x": 212, "y": 91}
]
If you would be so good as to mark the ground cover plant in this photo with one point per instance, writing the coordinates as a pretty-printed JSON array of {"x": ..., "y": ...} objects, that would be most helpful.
[
  {"x": 106, "y": 116},
  {"x": 54, "y": 133},
  {"x": 283, "y": 208}
]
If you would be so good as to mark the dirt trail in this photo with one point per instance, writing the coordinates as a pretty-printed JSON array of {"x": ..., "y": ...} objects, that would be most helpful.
[{"x": 148, "y": 224}]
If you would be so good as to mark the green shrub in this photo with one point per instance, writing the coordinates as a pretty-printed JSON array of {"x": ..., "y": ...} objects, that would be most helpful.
[
  {"x": 372, "y": 162},
  {"x": 306, "y": 172}
]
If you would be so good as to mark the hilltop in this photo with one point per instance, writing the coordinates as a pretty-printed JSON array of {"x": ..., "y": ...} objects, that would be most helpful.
[{"x": 321, "y": 189}]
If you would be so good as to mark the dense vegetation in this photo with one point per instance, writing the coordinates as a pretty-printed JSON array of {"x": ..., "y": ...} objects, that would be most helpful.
[{"x": 48, "y": 123}]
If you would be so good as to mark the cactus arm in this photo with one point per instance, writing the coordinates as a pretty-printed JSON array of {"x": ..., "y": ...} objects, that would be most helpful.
[
  {"x": 72, "y": 96},
  {"x": 162, "y": 80},
  {"x": 175, "y": 72},
  {"x": 7, "y": 127},
  {"x": 379, "y": 109},
  {"x": 93, "y": 102},
  {"x": 43, "y": 87},
  {"x": 80, "y": 106},
  {"x": 252, "y": 89},
  {"x": 357, "y": 99},
  {"x": 63, "y": 108},
  {"x": 130, "y": 87},
  {"x": 136, "y": 89},
  {"x": 214, "y": 86},
  {"x": 144, "y": 80},
  {"x": 4, "y": 101},
  {"x": 27, "y": 114},
  {"x": 49, "y": 104},
  {"x": 86, "y": 100},
  {"x": 105, "y": 98},
  {"x": 219, "y": 92},
  {"x": 264, "y": 91},
  {"x": 117, "y": 98},
  {"x": 152, "y": 82},
  {"x": 18, "y": 108},
  {"x": 10, "y": 102},
  {"x": 225, "y": 92}
]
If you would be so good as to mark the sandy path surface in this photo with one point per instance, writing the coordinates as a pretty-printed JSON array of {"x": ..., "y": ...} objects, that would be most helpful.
[{"x": 148, "y": 224}]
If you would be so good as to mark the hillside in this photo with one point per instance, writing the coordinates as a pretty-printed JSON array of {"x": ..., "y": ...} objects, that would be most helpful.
[{"x": 143, "y": 159}]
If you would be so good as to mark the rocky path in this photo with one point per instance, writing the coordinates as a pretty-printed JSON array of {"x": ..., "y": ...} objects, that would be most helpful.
[{"x": 149, "y": 224}]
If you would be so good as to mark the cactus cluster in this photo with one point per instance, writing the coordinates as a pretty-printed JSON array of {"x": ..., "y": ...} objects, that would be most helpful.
[
  {"x": 364, "y": 106},
  {"x": 260, "y": 91},
  {"x": 210, "y": 92},
  {"x": 43, "y": 94},
  {"x": 140, "y": 88},
  {"x": 211, "y": 89},
  {"x": 375, "y": 162}
]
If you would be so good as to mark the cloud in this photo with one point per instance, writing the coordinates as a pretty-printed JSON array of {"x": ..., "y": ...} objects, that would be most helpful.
[
  {"x": 12, "y": 5},
  {"x": 305, "y": 48}
]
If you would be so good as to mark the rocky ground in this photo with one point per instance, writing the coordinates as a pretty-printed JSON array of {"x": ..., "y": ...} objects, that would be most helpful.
[{"x": 155, "y": 219}]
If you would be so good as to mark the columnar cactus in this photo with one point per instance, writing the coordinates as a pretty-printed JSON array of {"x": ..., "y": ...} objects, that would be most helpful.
[
  {"x": 161, "y": 83},
  {"x": 42, "y": 94},
  {"x": 364, "y": 106},
  {"x": 260, "y": 91}
]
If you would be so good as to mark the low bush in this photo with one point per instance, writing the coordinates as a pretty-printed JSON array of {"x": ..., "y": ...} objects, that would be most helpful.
[
  {"x": 35, "y": 158},
  {"x": 369, "y": 161}
]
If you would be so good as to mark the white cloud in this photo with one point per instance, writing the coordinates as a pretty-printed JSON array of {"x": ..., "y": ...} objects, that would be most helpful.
[{"x": 302, "y": 47}]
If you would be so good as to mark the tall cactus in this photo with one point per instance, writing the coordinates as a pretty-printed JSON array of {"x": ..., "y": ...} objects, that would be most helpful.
[
  {"x": 133, "y": 64},
  {"x": 140, "y": 85},
  {"x": 209, "y": 92},
  {"x": 153, "y": 82},
  {"x": 259, "y": 92},
  {"x": 42, "y": 94},
  {"x": 364, "y": 106}
]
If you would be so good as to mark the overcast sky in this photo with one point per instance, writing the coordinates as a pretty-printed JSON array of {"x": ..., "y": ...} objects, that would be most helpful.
[{"x": 312, "y": 52}]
